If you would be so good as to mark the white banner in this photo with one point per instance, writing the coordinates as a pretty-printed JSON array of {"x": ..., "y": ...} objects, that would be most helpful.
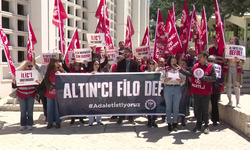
[
  {"x": 27, "y": 77},
  {"x": 83, "y": 54},
  {"x": 47, "y": 56},
  {"x": 218, "y": 70},
  {"x": 71, "y": 56},
  {"x": 112, "y": 54},
  {"x": 97, "y": 39},
  {"x": 143, "y": 51},
  {"x": 233, "y": 51}
]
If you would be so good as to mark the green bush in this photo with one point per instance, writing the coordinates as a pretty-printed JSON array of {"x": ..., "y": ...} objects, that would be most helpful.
[{"x": 248, "y": 52}]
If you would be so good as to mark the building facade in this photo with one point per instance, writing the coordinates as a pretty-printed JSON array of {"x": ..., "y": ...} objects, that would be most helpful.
[{"x": 81, "y": 15}]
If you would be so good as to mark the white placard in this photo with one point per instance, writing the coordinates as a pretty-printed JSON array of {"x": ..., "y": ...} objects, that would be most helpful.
[
  {"x": 174, "y": 76},
  {"x": 233, "y": 51},
  {"x": 47, "y": 56},
  {"x": 71, "y": 56},
  {"x": 112, "y": 54},
  {"x": 83, "y": 54},
  {"x": 217, "y": 70},
  {"x": 27, "y": 77},
  {"x": 143, "y": 51},
  {"x": 97, "y": 39}
]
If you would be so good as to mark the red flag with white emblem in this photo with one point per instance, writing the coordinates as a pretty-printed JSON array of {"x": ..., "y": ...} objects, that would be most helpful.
[
  {"x": 219, "y": 30},
  {"x": 58, "y": 15},
  {"x": 129, "y": 33},
  {"x": 184, "y": 28},
  {"x": 74, "y": 44},
  {"x": 204, "y": 35},
  {"x": 160, "y": 44},
  {"x": 197, "y": 31},
  {"x": 31, "y": 41},
  {"x": 146, "y": 39},
  {"x": 5, "y": 42}
]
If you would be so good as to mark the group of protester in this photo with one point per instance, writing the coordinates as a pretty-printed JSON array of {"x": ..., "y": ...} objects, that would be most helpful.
[{"x": 177, "y": 92}]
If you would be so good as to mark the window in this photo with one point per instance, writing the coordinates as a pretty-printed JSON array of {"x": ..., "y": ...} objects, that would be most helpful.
[
  {"x": 69, "y": 35},
  {"x": 20, "y": 41},
  {"x": 6, "y": 22},
  {"x": 20, "y": 56},
  {"x": 76, "y": 24},
  {"x": 20, "y": 25},
  {"x": 82, "y": 45},
  {"x": 20, "y": 9},
  {"x": 8, "y": 36},
  {"x": 5, "y": 5},
  {"x": 4, "y": 59},
  {"x": 68, "y": 22}
]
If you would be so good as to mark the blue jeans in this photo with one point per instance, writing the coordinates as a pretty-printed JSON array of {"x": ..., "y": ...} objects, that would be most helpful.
[
  {"x": 26, "y": 107},
  {"x": 98, "y": 119},
  {"x": 52, "y": 111},
  {"x": 172, "y": 95}
]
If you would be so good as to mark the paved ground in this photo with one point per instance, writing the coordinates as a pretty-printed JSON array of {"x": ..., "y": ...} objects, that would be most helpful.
[{"x": 113, "y": 136}]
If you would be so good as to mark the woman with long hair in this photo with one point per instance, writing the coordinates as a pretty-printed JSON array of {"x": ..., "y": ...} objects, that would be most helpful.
[
  {"x": 26, "y": 96},
  {"x": 50, "y": 81},
  {"x": 172, "y": 92},
  {"x": 95, "y": 68},
  {"x": 232, "y": 70},
  {"x": 152, "y": 65}
]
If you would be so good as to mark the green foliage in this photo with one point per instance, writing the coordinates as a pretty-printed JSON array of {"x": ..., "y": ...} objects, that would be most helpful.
[{"x": 248, "y": 52}]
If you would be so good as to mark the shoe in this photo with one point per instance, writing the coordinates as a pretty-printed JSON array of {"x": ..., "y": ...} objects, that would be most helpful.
[
  {"x": 22, "y": 128},
  {"x": 206, "y": 130},
  {"x": 196, "y": 129},
  {"x": 30, "y": 127},
  {"x": 238, "y": 105},
  {"x": 113, "y": 117},
  {"x": 58, "y": 125},
  {"x": 170, "y": 127},
  {"x": 131, "y": 121},
  {"x": 154, "y": 124},
  {"x": 149, "y": 124},
  {"x": 81, "y": 120},
  {"x": 50, "y": 125},
  {"x": 183, "y": 124},
  {"x": 119, "y": 121},
  {"x": 90, "y": 125},
  {"x": 215, "y": 123},
  {"x": 175, "y": 127},
  {"x": 163, "y": 119},
  {"x": 72, "y": 121},
  {"x": 230, "y": 103},
  {"x": 101, "y": 124}
]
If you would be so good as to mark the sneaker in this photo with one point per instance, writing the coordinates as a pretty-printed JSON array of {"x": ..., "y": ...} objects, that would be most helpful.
[
  {"x": 22, "y": 128},
  {"x": 101, "y": 124},
  {"x": 30, "y": 127},
  {"x": 175, "y": 127},
  {"x": 230, "y": 103},
  {"x": 119, "y": 121},
  {"x": 206, "y": 130},
  {"x": 196, "y": 129},
  {"x": 90, "y": 125},
  {"x": 170, "y": 127},
  {"x": 215, "y": 123},
  {"x": 238, "y": 105}
]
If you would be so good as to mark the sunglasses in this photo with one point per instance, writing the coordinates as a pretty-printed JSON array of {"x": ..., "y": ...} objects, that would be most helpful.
[{"x": 30, "y": 66}]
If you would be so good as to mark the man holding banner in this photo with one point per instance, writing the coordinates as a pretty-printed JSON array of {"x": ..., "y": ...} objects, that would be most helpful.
[{"x": 127, "y": 65}]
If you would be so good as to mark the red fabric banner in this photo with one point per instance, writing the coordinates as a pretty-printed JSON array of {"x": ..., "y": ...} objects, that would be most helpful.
[
  {"x": 219, "y": 30},
  {"x": 31, "y": 41},
  {"x": 146, "y": 39},
  {"x": 204, "y": 32},
  {"x": 74, "y": 44}
]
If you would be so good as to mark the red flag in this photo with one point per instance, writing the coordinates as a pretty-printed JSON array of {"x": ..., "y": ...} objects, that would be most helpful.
[
  {"x": 173, "y": 41},
  {"x": 160, "y": 44},
  {"x": 58, "y": 15},
  {"x": 190, "y": 26},
  {"x": 129, "y": 33},
  {"x": 74, "y": 44},
  {"x": 146, "y": 39},
  {"x": 219, "y": 30},
  {"x": 172, "y": 17},
  {"x": 204, "y": 35},
  {"x": 197, "y": 32},
  {"x": 102, "y": 10},
  {"x": 31, "y": 41},
  {"x": 184, "y": 28},
  {"x": 5, "y": 42}
]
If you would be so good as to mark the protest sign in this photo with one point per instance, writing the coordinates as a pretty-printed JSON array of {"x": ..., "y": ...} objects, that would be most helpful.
[
  {"x": 218, "y": 70},
  {"x": 83, "y": 54},
  {"x": 108, "y": 94},
  {"x": 143, "y": 51},
  {"x": 96, "y": 39},
  {"x": 111, "y": 54},
  {"x": 47, "y": 56},
  {"x": 71, "y": 56},
  {"x": 27, "y": 77},
  {"x": 233, "y": 51}
]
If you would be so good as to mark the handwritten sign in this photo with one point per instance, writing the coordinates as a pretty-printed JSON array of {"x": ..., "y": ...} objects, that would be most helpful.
[
  {"x": 47, "y": 56},
  {"x": 217, "y": 70},
  {"x": 111, "y": 54},
  {"x": 233, "y": 51},
  {"x": 97, "y": 39},
  {"x": 83, "y": 54},
  {"x": 143, "y": 51},
  {"x": 27, "y": 77},
  {"x": 71, "y": 56}
]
